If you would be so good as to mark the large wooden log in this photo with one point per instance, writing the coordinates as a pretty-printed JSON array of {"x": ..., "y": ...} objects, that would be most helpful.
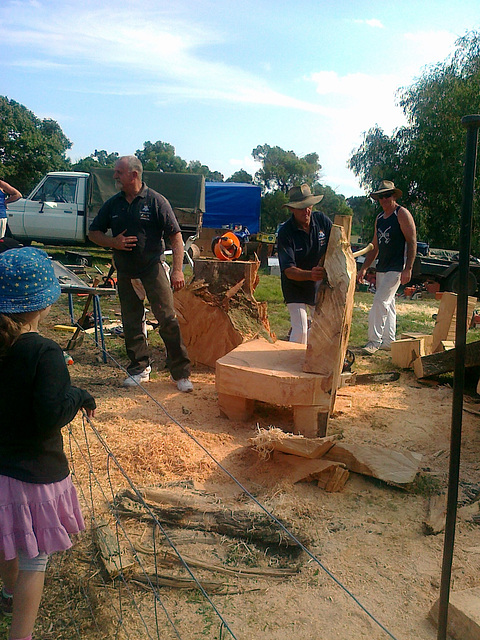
[
  {"x": 221, "y": 275},
  {"x": 443, "y": 362},
  {"x": 212, "y": 324},
  {"x": 330, "y": 330}
]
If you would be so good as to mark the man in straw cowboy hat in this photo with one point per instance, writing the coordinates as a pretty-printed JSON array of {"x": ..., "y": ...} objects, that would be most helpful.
[
  {"x": 395, "y": 244},
  {"x": 302, "y": 242}
]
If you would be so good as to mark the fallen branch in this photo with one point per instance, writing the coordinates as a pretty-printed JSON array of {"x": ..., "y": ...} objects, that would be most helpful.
[{"x": 192, "y": 512}]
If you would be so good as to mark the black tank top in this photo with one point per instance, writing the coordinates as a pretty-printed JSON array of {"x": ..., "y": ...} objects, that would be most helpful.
[{"x": 391, "y": 243}]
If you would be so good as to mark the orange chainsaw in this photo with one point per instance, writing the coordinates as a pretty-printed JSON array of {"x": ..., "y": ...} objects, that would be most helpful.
[{"x": 227, "y": 247}]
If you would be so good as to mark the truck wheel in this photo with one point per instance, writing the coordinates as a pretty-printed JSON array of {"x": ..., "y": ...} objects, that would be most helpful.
[
  {"x": 452, "y": 283},
  {"x": 194, "y": 251}
]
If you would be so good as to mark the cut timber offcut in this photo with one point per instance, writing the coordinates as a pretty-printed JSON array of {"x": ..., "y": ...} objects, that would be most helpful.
[
  {"x": 463, "y": 614},
  {"x": 268, "y": 440},
  {"x": 390, "y": 466}
]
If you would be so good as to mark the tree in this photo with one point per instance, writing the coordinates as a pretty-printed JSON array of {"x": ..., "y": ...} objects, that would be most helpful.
[
  {"x": 29, "y": 146},
  {"x": 272, "y": 212},
  {"x": 364, "y": 215},
  {"x": 195, "y": 166},
  {"x": 332, "y": 203},
  {"x": 161, "y": 156},
  {"x": 97, "y": 159},
  {"x": 241, "y": 176},
  {"x": 425, "y": 158},
  {"x": 284, "y": 169}
]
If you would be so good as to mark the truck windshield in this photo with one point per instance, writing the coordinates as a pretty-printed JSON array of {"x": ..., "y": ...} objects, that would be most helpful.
[{"x": 56, "y": 189}]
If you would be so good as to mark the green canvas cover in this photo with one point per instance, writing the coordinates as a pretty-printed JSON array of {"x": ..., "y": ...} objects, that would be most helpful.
[{"x": 184, "y": 191}]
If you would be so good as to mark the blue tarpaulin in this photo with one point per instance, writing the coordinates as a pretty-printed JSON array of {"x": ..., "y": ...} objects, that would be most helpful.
[{"x": 232, "y": 203}]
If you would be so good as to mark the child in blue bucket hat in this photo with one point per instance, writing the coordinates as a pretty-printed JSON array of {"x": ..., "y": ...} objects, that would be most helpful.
[{"x": 39, "y": 506}]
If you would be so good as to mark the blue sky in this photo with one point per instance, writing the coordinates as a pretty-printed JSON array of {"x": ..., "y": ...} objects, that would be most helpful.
[{"x": 216, "y": 79}]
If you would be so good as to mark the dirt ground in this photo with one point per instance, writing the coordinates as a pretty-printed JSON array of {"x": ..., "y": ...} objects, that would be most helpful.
[{"x": 369, "y": 536}]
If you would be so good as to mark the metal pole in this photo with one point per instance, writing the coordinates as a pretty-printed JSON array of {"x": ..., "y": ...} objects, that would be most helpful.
[{"x": 472, "y": 124}]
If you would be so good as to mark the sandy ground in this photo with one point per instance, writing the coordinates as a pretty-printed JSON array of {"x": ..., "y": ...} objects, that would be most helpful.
[{"x": 369, "y": 536}]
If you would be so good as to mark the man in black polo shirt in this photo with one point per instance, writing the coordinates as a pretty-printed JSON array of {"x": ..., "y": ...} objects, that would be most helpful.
[
  {"x": 302, "y": 242},
  {"x": 140, "y": 219}
]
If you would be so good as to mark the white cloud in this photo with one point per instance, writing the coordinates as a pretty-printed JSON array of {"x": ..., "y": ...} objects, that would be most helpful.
[
  {"x": 142, "y": 53},
  {"x": 247, "y": 163},
  {"x": 376, "y": 24},
  {"x": 429, "y": 46}
]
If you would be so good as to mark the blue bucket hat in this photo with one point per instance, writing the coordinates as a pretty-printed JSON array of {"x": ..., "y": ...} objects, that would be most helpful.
[{"x": 27, "y": 281}]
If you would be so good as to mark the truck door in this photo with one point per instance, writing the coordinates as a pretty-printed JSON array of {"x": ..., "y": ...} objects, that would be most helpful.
[{"x": 51, "y": 212}]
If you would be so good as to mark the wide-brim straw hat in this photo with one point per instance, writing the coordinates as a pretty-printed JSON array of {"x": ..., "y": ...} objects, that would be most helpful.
[
  {"x": 301, "y": 197},
  {"x": 385, "y": 186},
  {"x": 27, "y": 281}
]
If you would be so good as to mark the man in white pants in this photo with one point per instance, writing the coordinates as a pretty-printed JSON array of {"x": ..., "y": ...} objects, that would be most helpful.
[
  {"x": 302, "y": 241},
  {"x": 395, "y": 244}
]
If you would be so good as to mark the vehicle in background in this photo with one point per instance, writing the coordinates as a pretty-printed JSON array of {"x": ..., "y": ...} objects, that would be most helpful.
[{"x": 60, "y": 209}]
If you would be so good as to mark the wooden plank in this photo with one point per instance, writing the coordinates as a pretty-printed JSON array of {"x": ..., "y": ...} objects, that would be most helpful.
[
  {"x": 445, "y": 324},
  {"x": 443, "y": 362},
  {"x": 445, "y": 345},
  {"x": 463, "y": 614},
  {"x": 387, "y": 465},
  {"x": 445, "y": 315},
  {"x": 311, "y": 420},
  {"x": 405, "y": 352},
  {"x": 268, "y": 440}
]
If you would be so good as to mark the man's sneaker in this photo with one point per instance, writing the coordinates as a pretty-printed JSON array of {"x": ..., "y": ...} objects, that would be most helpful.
[
  {"x": 370, "y": 348},
  {"x": 138, "y": 378},
  {"x": 6, "y": 604},
  {"x": 184, "y": 385},
  {"x": 385, "y": 347}
]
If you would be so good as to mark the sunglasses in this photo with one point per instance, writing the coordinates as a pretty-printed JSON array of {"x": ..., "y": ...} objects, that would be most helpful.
[{"x": 385, "y": 195}]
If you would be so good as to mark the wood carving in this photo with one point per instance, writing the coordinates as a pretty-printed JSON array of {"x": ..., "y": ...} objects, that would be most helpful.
[{"x": 330, "y": 330}]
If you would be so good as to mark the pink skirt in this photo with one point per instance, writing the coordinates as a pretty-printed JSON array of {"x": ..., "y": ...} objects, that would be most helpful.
[{"x": 37, "y": 517}]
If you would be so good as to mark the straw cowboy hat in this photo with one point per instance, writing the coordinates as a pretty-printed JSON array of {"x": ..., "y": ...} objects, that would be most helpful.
[
  {"x": 301, "y": 197},
  {"x": 385, "y": 187}
]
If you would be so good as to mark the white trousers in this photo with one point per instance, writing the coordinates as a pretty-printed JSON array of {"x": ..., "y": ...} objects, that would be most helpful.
[
  {"x": 382, "y": 320},
  {"x": 299, "y": 313},
  {"x": 3, "y": 226}
]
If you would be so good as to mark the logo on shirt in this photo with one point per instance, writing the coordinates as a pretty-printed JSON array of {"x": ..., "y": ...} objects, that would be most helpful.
[
  {"x": 145, "y": 212},
  {"x": 321, "y": 238},
  {"x": 384, "y": 236}
]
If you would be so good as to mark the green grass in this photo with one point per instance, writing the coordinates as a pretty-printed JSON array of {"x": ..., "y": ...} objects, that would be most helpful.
[{"x": 412, "y": 315}]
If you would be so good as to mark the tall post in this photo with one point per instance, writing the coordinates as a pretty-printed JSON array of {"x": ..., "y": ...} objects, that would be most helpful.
[{"x": 472, "y": 124}]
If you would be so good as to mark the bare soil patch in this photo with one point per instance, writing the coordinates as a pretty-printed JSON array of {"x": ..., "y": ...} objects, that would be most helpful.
[{"x": 369, "y": 536}]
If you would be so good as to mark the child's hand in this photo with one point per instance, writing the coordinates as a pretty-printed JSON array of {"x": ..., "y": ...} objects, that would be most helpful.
[{"x": 89, "y": 405}]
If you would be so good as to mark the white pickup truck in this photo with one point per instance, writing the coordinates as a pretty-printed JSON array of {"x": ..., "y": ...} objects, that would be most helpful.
[{"x": 61, "y": 207}]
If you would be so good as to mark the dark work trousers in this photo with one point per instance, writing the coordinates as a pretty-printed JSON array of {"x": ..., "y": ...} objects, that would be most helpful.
[{"x": 160, "y": 297}]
